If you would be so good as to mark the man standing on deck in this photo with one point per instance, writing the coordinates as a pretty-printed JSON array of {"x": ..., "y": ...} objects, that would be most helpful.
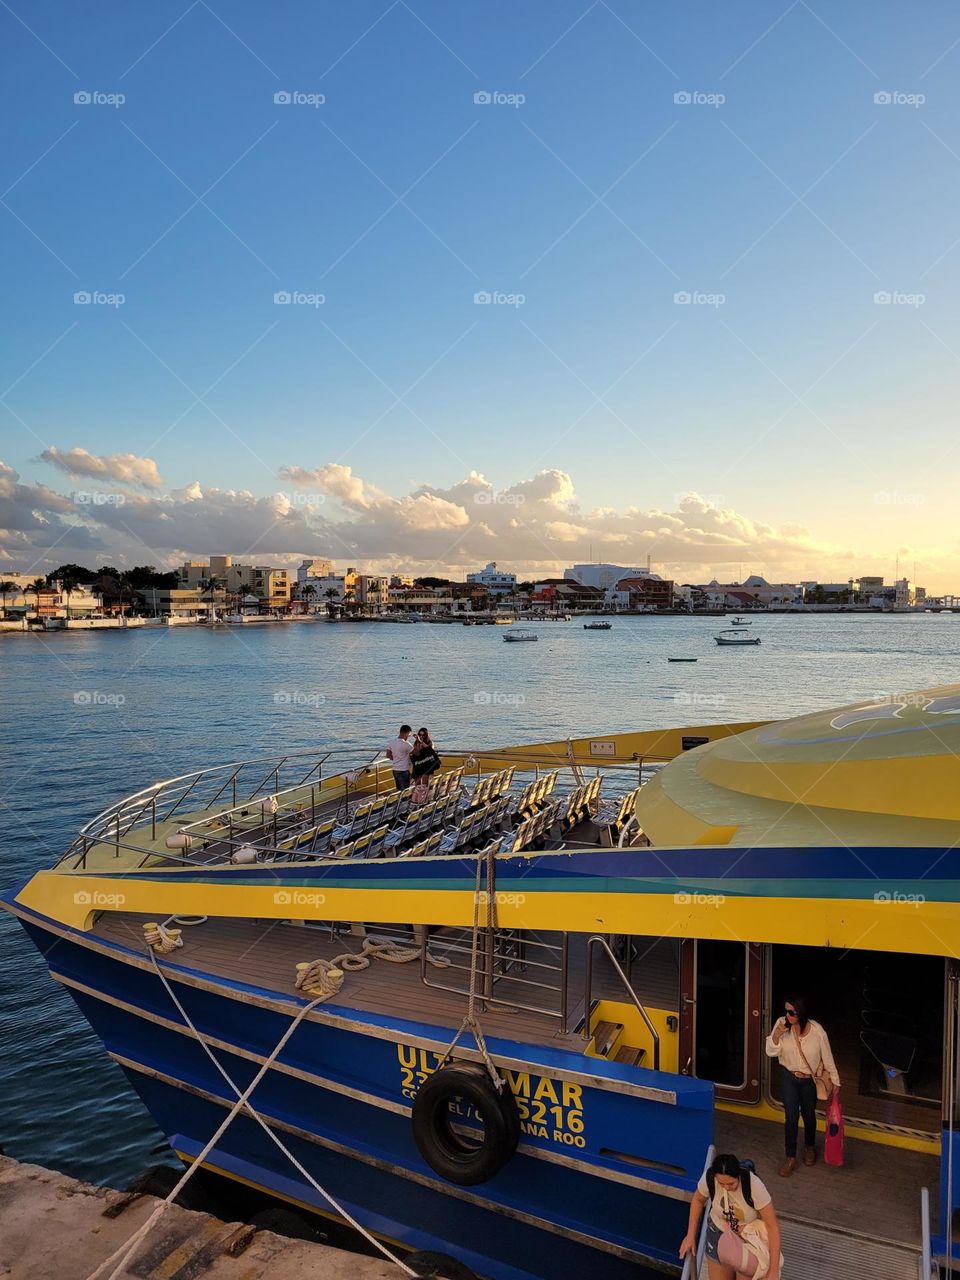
[{"x": 399, "y": 752}]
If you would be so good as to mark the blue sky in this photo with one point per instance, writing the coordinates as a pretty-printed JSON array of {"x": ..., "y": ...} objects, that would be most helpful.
[{"x": 821, "y": 421}]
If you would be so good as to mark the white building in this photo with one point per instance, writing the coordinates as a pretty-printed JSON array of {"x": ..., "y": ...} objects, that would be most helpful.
[
  {"x": 314, "y": 569},
  {"x": 496, "y": 582},
  {"x": 605, "y": 576}
]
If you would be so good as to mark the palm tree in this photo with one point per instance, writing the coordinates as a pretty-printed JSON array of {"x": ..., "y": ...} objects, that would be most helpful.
[
  {"x": 307, "y": 594},
  {"x": 67, "y": 587},
  {"x": 36, "y": 586},
  {"x": 7, "y": 588}
]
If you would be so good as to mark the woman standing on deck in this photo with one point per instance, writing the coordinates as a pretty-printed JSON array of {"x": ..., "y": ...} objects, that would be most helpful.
[
  {"x": 738, "y": 1199},
  {"x": 424, "y": 760},
  {"x": 804, "y": 1052}
]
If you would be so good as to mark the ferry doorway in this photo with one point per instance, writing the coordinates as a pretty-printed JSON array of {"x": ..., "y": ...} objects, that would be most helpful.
[
  {"x": 883, "y": 1013},
  {"x": 720, "y": 1003}
]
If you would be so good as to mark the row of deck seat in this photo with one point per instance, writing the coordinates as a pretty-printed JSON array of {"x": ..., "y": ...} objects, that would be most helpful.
[
  {"x": 536, "y": 793},
  {"x": 489, "y": 788},
  {"x": 535, "y": 827},
  {"x": 581, "y": 803}
]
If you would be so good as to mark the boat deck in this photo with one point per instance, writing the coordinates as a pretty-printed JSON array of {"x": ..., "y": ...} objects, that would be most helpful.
[{"x": 265, "y": 954}]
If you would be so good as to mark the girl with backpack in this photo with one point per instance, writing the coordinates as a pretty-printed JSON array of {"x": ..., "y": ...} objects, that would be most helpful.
[{"x": 743, "y": 1236}]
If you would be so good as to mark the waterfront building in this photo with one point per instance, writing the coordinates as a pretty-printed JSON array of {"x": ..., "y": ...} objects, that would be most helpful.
[
  {"x": 313, "y": 569},
  {"x": 650, "y": 592},
  {"x": 179, "y": 602},
  {"x": 567, "y": 594},
  {"x": 496, "y": 582},
  {"x": 605, "y": 576}
]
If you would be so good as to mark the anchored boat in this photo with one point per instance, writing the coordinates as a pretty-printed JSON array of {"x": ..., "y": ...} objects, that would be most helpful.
[
  {"x": 563, "y": 1002},
  {"x": 735, "y": 637},
  {"x": 519, "y": 633}
]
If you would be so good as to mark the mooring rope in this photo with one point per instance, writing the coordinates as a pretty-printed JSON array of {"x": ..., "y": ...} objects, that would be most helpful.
[
  {"x": 324, "y": 978},
  {"x": 122, "y": 1255}
]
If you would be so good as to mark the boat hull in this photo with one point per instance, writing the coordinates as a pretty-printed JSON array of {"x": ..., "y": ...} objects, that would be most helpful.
[{"x": 341, "y": 1096}]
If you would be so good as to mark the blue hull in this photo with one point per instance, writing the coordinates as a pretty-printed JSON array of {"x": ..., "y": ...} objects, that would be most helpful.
[{"x": 599, "y": 1185}]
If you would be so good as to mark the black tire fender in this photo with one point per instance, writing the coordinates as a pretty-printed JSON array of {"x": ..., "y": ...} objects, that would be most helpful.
[{"x": 458, "y": 1159}]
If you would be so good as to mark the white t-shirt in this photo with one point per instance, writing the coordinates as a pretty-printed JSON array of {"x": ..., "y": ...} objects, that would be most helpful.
[
  {"x": 731, "y": 1203},
  {"x": 402, "y": 749}
]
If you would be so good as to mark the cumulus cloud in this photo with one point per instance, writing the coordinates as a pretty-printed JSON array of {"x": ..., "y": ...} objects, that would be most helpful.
[
  {"x": 119, "y": 468},
  {"x": 536, "y": 526}
]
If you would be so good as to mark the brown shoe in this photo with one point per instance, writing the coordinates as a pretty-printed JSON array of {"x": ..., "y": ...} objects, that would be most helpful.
[
  {"x": 810, "y": 1155},
  {"x": 788, "y": 1166}
]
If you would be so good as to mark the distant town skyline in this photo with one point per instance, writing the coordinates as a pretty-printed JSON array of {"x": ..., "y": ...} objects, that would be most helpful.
[{"x": 353, "y": 280}]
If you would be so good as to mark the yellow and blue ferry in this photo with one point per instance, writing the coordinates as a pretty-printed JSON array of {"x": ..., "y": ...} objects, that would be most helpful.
[{"x": 617, "y": 917}]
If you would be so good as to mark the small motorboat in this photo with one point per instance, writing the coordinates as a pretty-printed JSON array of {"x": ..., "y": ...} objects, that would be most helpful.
[
  {"x": 519, "y": 634},
  {"x": 597, "y": 626},
  {"x": 742, "y": 622},
  {"x": 734, "y": 637}
]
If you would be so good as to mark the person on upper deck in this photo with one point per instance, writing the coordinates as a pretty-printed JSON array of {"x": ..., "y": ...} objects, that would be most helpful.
[
  {"x": 399, "y": 751},
  {"x": 803, "y": 1049},
  {"x": 424, "y": 760}
]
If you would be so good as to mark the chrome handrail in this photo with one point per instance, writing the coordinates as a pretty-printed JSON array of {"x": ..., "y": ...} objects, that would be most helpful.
[
  {"x": 697, "y": 1255},
  {"x": 926, "y": 1260},
  {"x": 635, "y": 999}
]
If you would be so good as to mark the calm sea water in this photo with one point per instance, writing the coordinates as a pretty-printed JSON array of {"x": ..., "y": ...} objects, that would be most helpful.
[{"x": 89, "y": 717}]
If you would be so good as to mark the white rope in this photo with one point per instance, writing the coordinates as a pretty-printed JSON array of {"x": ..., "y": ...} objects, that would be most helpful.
[
  {"x": 324, "y": 978},
  {"x": 124, "y": 1253}
]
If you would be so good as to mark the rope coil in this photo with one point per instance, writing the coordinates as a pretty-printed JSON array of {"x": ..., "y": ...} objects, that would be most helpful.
[{"x": 324, "y": 978}]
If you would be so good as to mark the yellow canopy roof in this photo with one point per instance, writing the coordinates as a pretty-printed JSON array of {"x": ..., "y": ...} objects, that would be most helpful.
[{"x": 884, "y": 771}]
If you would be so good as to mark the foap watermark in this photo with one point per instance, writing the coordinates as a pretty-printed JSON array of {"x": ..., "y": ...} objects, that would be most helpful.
[
  {"x": 897, "y": 98},
  {"x": 711, "y": 499},
  {"x": 96, "y": 98},
  {"x": 297, "y": 98},
  {"x": 487, "y": 498},
  {"x": 298, "y": 698},
  {"x": 697, "y": 98},
  {"x": 497, "y": 698},
  {"x": 694, "y": 298},
  {"x": 297, "y": 298},
  {"x": 699, "y": 899},
  {"x": 700, "y": 699},
  {"x": 895, "y": 298},
  {"x": 97, "y": 498},
  {"x": 96, "y": 298},
  {"x": 96, "y": 898},
  {"x": 495, "y": 98},
  {"x": 497, "y": 298},
  {"x": 894, "y": 498},
  {"x": 501, "y": 899},
  {"x": 298, "y": 898},
  {"x": 296, "y": 499},
  {"x": 97, "y": 698},
  {"x": 893, "y": 895}
]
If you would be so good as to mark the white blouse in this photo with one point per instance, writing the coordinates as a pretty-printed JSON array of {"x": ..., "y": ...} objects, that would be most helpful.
[{"x": 816, "y": 1049}]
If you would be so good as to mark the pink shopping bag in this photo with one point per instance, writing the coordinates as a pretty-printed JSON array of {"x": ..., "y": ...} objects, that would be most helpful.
[{"x": 833, "y": 1141}]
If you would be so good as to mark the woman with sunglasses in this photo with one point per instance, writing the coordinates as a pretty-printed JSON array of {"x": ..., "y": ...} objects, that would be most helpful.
[{"x": 804, "y": 1052}]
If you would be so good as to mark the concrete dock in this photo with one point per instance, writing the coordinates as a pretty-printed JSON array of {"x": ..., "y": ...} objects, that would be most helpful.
[{"x": 55, "y": 1228}]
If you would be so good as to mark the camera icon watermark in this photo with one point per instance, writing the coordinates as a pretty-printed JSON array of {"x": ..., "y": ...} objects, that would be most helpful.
[
  {"x": 494, "y": 98},
  {"x": 496, "y": 698},
  {"x": 894, "y": 498},
  {"x": 896, "y": 298},
  {"x": 696, "y": 98},
  {"x": 903, "y": 899},
  {"x": 897, "y": 98},
  {"x": 95, "y": 898},
  {"x": 695, "y": 298},
  {"x": 95, "y": 98},
  {"x": 296, "y": 298},
  {"x": 96, "y": 298},
  {"x": 497, "y": 298},
  {"x": 699, "y": 899},
  {"x": 297, "y": 698},
  {"x": 96, "y": 698},
  {"x": 297, "y": 98},
  {"x": 96, "y": 498},
  {"x": 298, "y": 898},
  {"x": 487, "y": 498}
]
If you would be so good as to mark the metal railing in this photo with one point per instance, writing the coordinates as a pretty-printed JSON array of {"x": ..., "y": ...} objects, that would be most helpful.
[
  {"x": 503, "y": 957},
  {"x": 595, "y": 941},
  {"x": 695, "y": 1259}
]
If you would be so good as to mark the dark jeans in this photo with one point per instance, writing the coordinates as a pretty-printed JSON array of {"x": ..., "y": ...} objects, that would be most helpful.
[
  {"x": 799, "y": 1099},
  {"x": 402, "y": 779}
]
